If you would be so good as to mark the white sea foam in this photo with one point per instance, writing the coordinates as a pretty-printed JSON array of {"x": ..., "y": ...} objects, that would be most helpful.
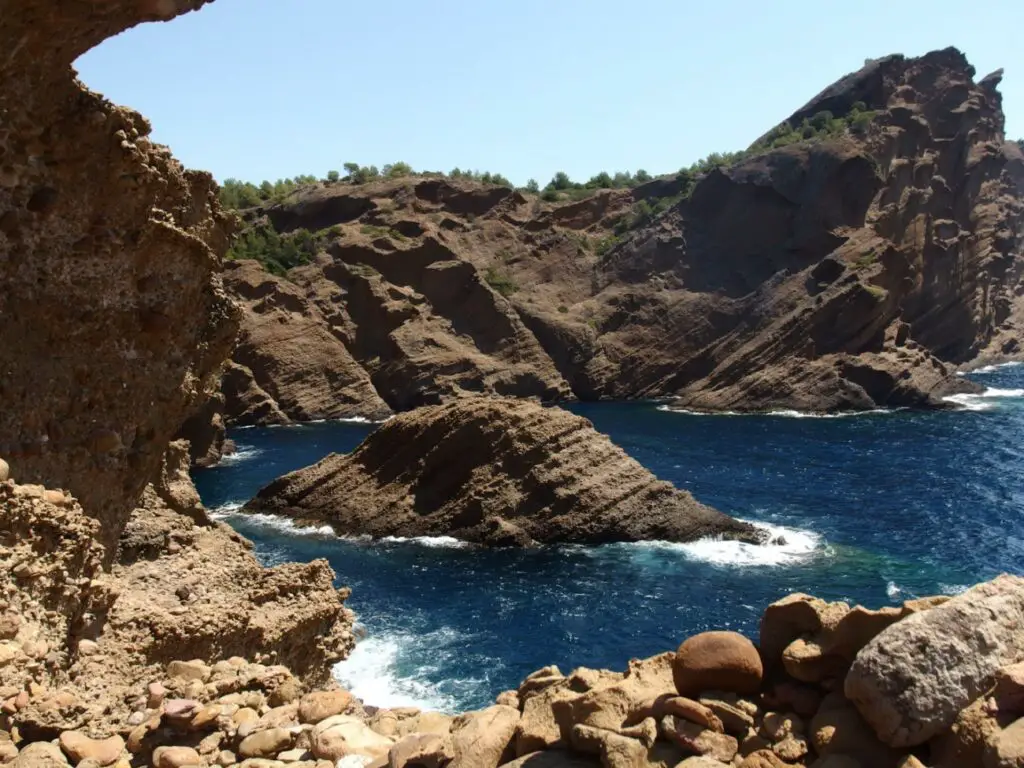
[
  {"x": 232, "y": 510},
  {"x": 797, "y": 545},
  {"x": 244, "y": 453},
  {"x": 786, "y": 413},
  {"x": 375, "y": 673},
  {"x": 274, "y": 523},
  {"x": 995, "y": 367},
  {"x": 438, "y": 542},
  {"x": 983, "y": 401},
  {"x": 892, "y": 590}
]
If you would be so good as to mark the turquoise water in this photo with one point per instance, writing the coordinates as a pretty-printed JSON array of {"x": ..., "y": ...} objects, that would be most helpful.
[{"x": 874, "y": 508}]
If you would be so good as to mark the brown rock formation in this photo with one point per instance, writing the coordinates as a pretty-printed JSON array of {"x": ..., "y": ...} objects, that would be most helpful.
[
  {"x": 293, "y": 364},
  {"x": 493, "y": 471},
  {"x": 109, "y": 261},
  {"x": 853, "y": 270}
]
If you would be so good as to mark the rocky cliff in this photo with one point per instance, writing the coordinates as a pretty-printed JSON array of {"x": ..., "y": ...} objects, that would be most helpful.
[
  {"x": 116, "y": 327},
  {"x": 494, "y": 471},
  {"x": 854, "y": 268}
]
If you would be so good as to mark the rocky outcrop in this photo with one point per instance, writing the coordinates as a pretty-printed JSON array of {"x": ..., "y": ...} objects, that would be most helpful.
[
  {"x": 110, "y": 254},
  {"x": 258, "y": 715},
  {"x": 494, "y": 471},
  {"x": 858, "y": 268},
  {"x": 293, "y": 365},
  {"x": 913, "y": 679}
]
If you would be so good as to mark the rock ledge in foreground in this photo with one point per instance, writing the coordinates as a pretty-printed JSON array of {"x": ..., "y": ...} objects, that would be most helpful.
[{"x": 494, "y": 471}]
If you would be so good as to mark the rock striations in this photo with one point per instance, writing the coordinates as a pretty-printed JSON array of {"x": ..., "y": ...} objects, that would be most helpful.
[
  {"x": 494, "y": 471},
  {"x": 850, "y": 270}
]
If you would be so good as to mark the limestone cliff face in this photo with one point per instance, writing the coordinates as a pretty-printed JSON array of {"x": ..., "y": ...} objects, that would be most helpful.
[
  {"x": 116, "y": 327},
  {"x": 854, "y": 270},
  {"x": 494, "y": 471}
]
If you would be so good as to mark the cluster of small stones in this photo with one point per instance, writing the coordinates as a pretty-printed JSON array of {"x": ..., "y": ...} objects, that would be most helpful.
[{"x": 719, "y": 700}]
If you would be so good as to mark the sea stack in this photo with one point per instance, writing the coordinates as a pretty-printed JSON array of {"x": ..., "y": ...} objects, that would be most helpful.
[{"x": 494, "y": 471}]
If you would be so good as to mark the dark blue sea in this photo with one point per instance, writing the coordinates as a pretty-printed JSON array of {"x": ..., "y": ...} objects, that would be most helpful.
[{"x": 874, "y": 508}]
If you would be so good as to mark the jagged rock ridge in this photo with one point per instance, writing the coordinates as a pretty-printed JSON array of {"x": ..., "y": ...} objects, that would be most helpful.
[
  {"x": 853, "y": 270},
  {"x": 494, "y": 471}
]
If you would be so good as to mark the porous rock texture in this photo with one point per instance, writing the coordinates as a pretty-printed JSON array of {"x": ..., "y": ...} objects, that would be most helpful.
[
  {"x": 850, "y": 271},
  {"x": 116, "y": 326},
  {"x": 494, "y": 471},
  {"x": 109, "y": 253},
  {"x": 913, "y": 679},
  {"x": 258, "y": 715}
]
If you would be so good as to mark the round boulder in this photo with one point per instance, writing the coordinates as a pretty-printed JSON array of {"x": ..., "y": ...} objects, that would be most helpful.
[{"x": 717, "y": 661}]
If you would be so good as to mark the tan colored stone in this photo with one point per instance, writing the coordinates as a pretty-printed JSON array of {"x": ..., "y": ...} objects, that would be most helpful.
[
  {"x": 77, "y": 746},
  {"x": 724, "y": 661},
  {"x": 433, "y": 722},
  {"x": 266, "y": 743},
  {"x": 40, "y": 754},
  {"x": 561, "y": 759},
  {"x": 694, "y": 711},
  {"x": 692, "y": 737},
  {"x": 175, "y": 757},
  {"x": 839, "y": 729},
  {"x": 293, "y": 755},
  {"x": 1009, "y": 689},
  {"x": 245, "y": 715},
  {"x": 615, "y": 750},
  {"x": 910, "y": 762},
  {"x": 791, "y": 748},
  {"x": 544, "y": 724},
  {"x": 206, "y": 717},
  {"x": 189, "y": 670},
  {"x": 7, "y": 751},
  {"x": 508, "y": 699},
  {"x": 762, "y": 758},
  {"x": 421, "y": 750},
  {"x": 484, "y": 739},
  {"x": 1006, "y": 750},
  {"x": 778, "y": 725},
  {"x": 734, "y": 720},
  {"x": 338, "y": 736},
  {"x": 317, "y": 706}
]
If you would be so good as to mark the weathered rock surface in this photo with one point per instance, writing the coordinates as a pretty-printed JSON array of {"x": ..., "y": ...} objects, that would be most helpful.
[
  {"x": 109, "y": 280},
  {"x": 109, "y": 254},
  {"x": 493, "y": 471},
  {"x": 292, "y": 355},
  {"x": 717, "y": 661},
  {"x": 854, "y": 271},
  {"x": 912, "y": 680}
]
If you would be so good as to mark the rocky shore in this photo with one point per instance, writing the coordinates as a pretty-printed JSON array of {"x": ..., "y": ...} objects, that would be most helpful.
[{"x": 937, "y": 682}]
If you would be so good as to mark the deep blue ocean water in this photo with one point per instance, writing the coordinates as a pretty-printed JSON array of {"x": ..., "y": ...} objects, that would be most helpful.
[{"x": 875, "y": 509}]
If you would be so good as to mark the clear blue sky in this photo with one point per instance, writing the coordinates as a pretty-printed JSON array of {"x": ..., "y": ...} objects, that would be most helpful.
[{"x": 259, "y": 89}]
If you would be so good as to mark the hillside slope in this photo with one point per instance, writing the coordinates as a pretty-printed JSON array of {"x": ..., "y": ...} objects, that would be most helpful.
[{"x": 848, "y": 260}]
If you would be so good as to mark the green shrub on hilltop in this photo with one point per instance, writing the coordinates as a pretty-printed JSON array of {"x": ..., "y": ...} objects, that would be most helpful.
[
  {"x": 822, "y": 125},
  {"x": 500, "y": 281},
  {"x": 276, "y": 252}
]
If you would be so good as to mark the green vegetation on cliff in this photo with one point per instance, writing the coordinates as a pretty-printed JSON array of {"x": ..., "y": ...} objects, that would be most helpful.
[{"x": 276, "y": 252}]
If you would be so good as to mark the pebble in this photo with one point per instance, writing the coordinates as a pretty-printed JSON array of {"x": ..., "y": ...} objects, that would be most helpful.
[
  {"x": 5, "y": 470},
  {"x": 78, "y": 747},
  {"x": 156, "y": 693},
  {"x": 87, "y": 647},
  {"x": 175, "y": 757},
  {"x": 180, "y": 708}
]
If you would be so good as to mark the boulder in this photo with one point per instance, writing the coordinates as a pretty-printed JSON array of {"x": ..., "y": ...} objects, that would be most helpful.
[
  {"x": 554, "y": 759},
  {"x": 319, "y": 705},
  {"x": 77, "y": 746},
  {"x": 693, "y": 738},
  {"x": 1006, "y": 749},
  {"x": 484, "y": 739},
  {"x": 342, "y": 735},
  {"x": 838, "y": 729},
  {"x": 762, "y": 758},
  {"x": 694, "y": 711},
  {"x": 421, "y": 750},
  {"x": 724, "y": 661},
  {"x": 40, "y": 754},
  {"x": 912, "y": 680},
  {"x": 266, "y": 743},
  {"x": 481, "y": 469},
  {"x": 614, "y": 749},
  {"x": 175, "y": 757}
]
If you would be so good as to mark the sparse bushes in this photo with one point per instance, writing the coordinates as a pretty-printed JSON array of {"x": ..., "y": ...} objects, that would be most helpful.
[
  {"x": 500, "y": 281},
  {"x": 821, "y": 125},
  {"x": 277, "y": 253}
]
